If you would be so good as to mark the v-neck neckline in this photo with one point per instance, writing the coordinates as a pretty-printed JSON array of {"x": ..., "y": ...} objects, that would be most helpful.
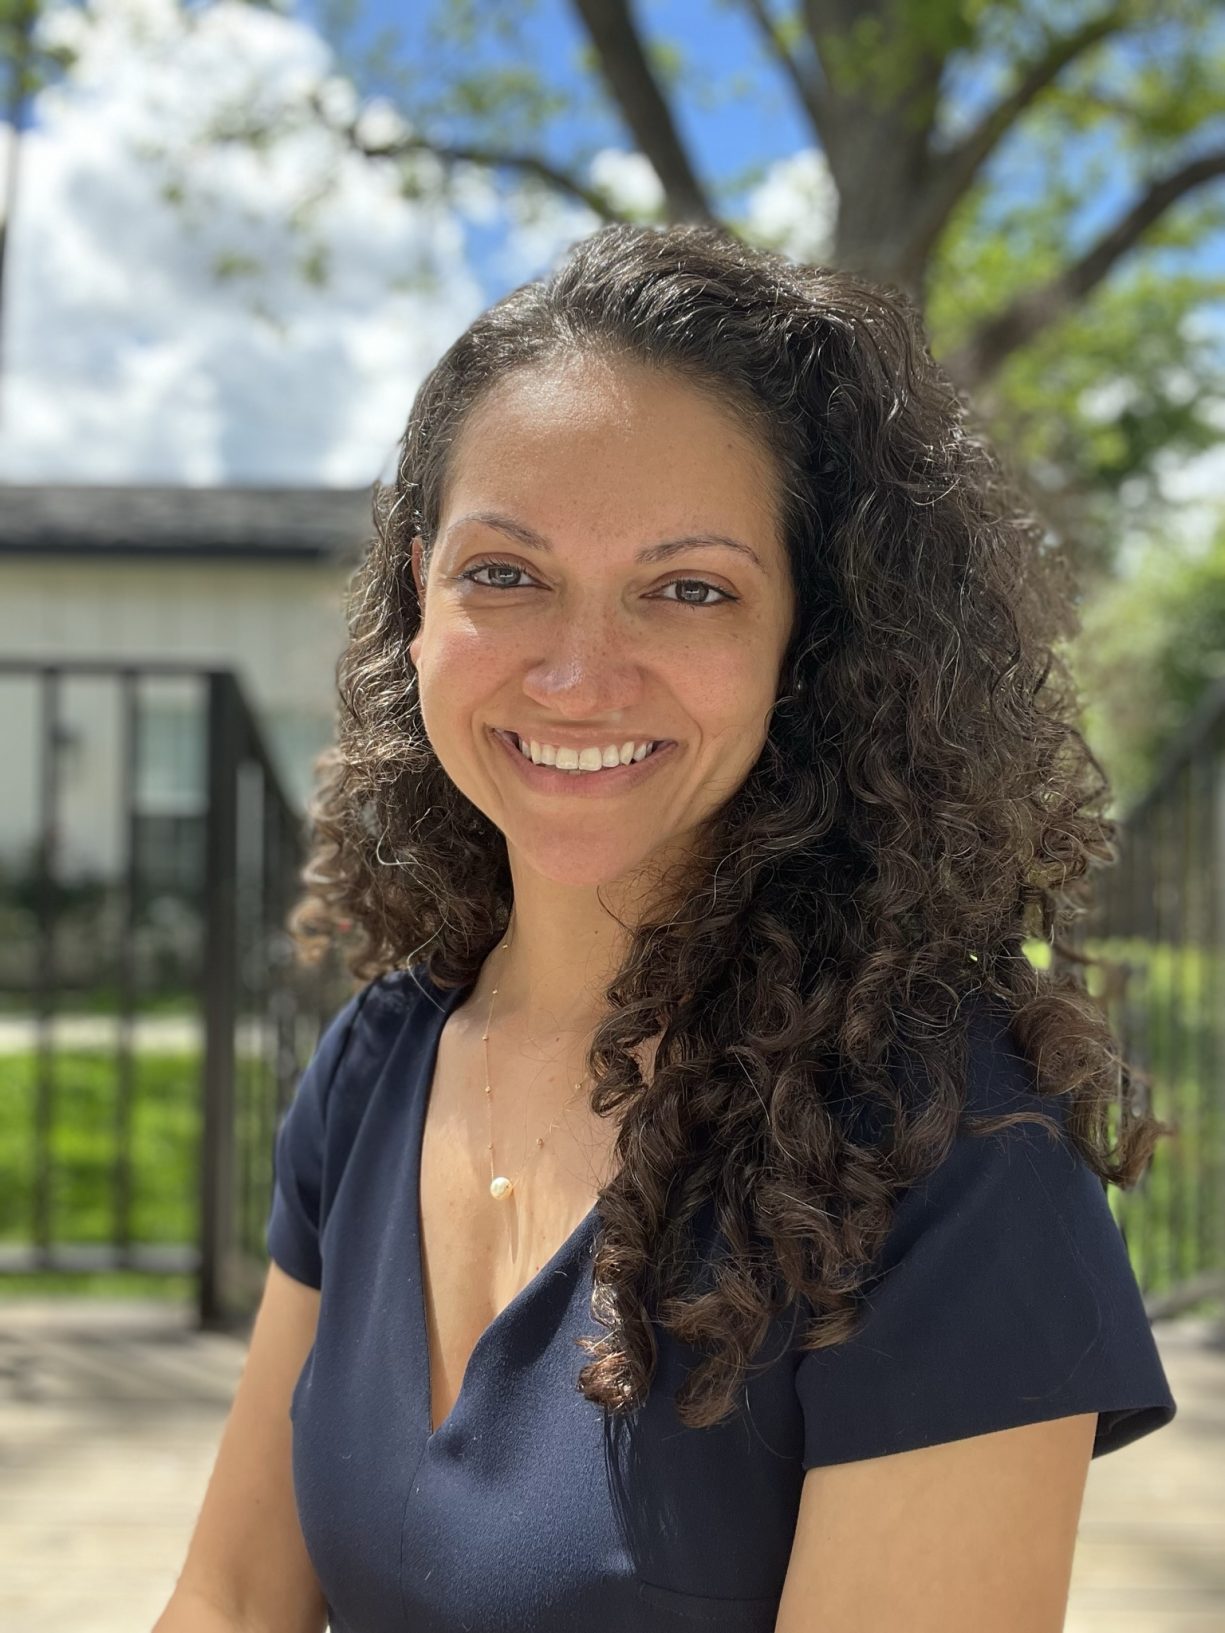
[{"x": 446, "y": 1001}]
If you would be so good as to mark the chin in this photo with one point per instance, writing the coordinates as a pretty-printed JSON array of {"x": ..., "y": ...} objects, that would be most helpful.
[{"x": 581, "y": 863}]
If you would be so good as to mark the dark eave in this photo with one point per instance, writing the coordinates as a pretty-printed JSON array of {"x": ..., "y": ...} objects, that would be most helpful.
[{"x": 247, "y": 523}]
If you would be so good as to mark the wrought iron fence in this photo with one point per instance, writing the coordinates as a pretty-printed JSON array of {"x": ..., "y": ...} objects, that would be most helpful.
[
  {"x": 104, "y": 1138},
  {"x": 1157, "y": 922},
  {"x": 155, "y": 1018}
]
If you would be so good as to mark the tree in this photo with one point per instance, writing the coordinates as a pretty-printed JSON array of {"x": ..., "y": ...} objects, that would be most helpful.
[
  {"x": 872, "y": 78},
  {"x": 1043, "y": 177},
  {"x": 1151, "y": 649},
  {"x": 1113, "y": 108}
]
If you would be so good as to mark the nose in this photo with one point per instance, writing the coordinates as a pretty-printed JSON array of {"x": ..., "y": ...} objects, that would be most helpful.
[{"x": 590, "y": 673}]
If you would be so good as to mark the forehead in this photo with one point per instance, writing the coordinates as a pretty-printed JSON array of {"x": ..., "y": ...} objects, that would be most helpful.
[{"x": 590, "y": 433}]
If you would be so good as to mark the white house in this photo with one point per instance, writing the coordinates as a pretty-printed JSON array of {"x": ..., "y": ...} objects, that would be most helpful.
[{"x": 245, "y": 578}]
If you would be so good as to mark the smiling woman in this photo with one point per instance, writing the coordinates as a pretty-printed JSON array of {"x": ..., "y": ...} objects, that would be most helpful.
[
  {"x": 593, "y": 638},
  {"x": 703, "y": 760}
]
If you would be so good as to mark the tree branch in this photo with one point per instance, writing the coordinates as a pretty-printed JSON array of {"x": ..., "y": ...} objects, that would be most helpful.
[
  {"x": 1019, "y": 322},
  {"x": 834, "y": 17},
  {"x": 474, "y": 153},
  {"x": 647, "y": 115},
  {"x": 804, "y": 85},
  {"x": 955, "y": 170}
]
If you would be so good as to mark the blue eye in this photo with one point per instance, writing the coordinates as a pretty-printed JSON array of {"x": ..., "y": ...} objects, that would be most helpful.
[
  {"x": 512, "y": 567},
  {"x": 701, "y": 584},
  {"x": 484, "y": 566}
]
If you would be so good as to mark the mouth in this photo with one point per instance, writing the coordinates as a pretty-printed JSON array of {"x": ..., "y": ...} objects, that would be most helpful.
[
  {"x": 604, "y": 780},
  {"x": 523, "y": 746}
]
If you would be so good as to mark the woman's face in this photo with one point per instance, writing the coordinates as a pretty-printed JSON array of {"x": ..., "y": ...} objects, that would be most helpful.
[{"x": 589, "y": 635}]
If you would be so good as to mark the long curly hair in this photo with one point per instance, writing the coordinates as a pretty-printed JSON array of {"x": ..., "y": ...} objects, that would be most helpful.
[{"x": 923, "y": 804}]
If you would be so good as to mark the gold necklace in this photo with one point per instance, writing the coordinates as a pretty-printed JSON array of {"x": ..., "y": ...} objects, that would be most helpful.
[{"x": 499, "y": 1185}]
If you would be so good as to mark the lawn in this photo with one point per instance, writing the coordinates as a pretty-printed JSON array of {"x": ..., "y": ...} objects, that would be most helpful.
[
  {"x": 165, "y": 1127},
  {"x": 1174, "y": 1221}
]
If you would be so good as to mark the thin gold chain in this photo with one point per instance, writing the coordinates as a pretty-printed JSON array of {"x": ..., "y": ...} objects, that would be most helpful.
[{"x": 499, "y": 1185}]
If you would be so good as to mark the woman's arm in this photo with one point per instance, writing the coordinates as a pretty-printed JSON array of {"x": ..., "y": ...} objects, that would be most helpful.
[
  {"x": 247, "y": 1569},
  {"x": 188, "y": 1613},
  {"x": 953, "y": 1538}
]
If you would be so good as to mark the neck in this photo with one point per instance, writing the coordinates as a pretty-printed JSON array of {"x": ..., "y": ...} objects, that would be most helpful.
[
  {"x": 552, "y": 977},
  {"x": 548, "y": 981},
  {"x": 564, "y": 943}
]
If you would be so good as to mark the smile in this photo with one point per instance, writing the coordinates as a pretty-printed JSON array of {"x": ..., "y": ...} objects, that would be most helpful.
[{"x": 607, "y": 780}]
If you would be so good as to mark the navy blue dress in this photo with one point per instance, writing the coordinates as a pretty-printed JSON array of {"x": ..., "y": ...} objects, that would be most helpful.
[{"x": 1009, "y": 1299}]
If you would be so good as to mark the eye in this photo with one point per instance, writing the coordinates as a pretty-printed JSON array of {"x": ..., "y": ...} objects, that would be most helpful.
[
  {"x": 674, "y": 583},
  {"x": 700, "y": 584},
  {"x": 486, "y": 566}
]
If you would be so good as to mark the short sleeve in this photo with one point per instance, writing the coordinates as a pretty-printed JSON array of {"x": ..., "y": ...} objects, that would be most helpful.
[
  {"x": 292, "y": 1231},
  {"x": 1005, "y": 1296}
]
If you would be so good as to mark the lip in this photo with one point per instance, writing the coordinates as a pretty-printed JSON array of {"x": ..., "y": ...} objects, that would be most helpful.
[{"x": 612, "y": 780}]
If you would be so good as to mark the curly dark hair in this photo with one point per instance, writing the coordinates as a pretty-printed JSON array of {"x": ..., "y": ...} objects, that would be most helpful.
[{"x": 923, "y": 803}]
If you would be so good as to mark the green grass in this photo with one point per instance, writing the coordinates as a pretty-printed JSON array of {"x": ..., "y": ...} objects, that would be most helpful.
[
  {"x": 164, "y": 1141},
  {"x": 1184, "y": 1057}
]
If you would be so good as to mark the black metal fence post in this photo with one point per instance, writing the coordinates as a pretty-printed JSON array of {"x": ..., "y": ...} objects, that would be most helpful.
[{"x": 219, "y": 996}]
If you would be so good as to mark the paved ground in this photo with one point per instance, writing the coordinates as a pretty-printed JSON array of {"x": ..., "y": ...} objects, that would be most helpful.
[{"x": 110, "y": 1416}]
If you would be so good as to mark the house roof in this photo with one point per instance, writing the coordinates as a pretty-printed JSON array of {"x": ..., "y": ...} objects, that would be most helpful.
[{"x": 266, "y": 524}]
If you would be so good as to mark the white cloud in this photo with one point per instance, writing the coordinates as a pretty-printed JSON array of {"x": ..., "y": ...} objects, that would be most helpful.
[
  {"x": 629, "y": 180},
  {"x": 546, "y": 224},
  {"x": 126, "y": 359},
  {"x": 794, "y": 210}
]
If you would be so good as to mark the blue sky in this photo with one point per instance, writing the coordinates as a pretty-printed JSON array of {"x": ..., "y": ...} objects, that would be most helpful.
[{"x": 717, "y": 42}]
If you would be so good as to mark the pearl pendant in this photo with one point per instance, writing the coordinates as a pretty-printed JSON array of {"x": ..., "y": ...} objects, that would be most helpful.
[{"x": 499, "y": 1187}]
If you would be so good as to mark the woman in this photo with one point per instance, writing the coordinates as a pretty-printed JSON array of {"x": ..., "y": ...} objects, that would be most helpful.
[{"x": 703, "y": 761}]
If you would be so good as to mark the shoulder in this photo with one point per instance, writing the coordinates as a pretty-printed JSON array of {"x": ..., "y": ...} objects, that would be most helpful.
[
  {"x": 353, "y": 1081},
  {"x": 359, "y": 1038},
  {"x": 1011, "y": 1163},
  {"x": 1000, "y": 1076},
  {"x": 378, "y": 1011},
  {"x": 1002, "y": 1106},
  {"x": 991, "y": 1067},
  {"x": 1003, "y": 1294}
]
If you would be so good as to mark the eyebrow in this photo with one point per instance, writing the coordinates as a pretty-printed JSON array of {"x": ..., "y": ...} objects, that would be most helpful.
[{"x": 652, "y": 552}]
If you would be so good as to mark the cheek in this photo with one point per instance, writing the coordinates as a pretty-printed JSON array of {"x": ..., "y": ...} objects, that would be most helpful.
[
  {"x": 459, "y": 671},
  {"x": 456, "y": 649},
  {"x": 725, "y": 685},
  {"x": 728, "y": 693}
]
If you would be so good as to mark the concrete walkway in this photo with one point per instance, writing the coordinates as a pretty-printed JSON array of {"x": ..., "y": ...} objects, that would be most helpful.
[{"x": 110, "y": 1416}]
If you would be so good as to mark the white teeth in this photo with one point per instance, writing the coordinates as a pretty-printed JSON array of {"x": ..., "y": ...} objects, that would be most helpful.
[{"x": 584, "y": 760}]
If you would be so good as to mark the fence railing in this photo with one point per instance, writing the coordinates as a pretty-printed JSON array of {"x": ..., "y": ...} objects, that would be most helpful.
[
  {"x": 154, "y": 1021},
  {"x": 154, "y": 1018},
  {"x": 1157, "y": 921}
]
